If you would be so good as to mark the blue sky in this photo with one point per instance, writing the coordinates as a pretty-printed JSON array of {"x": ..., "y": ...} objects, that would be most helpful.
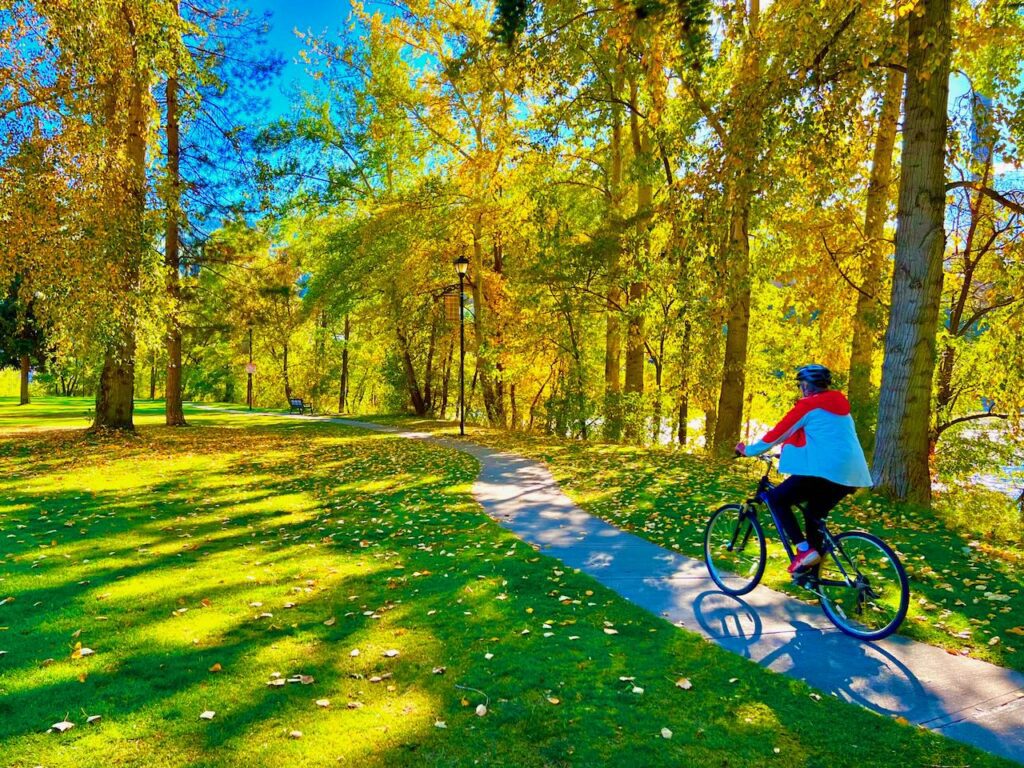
[{"x": 286, "y": 16}]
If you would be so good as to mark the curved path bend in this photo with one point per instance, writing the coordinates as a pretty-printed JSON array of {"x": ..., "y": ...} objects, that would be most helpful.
[{"x": 963, "y": 698}]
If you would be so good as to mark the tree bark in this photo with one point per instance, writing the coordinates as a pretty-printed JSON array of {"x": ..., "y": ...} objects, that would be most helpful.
[
  {"x": 636, "y": 353},
  {"x": 900, "y": 466},
  {"x": 870, "y": 314},
  {"x": 152, "y": 375},
  {"x": 284, "y": 372},
  {"x": 743, "y": 140},
  {"x": 730, "y": 399},
  {"x": 343, "y": 390},
  {"x": 174, "y": 415},
  {"x": 115, "y": 395},
  {"x": 415, "y": 394},
  {"x": 25, "y": 365},
  {"x": 613, "y": 306}
]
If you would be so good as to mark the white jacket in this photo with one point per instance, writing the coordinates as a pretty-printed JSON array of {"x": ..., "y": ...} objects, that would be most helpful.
[{"x": 818, "y": 439}]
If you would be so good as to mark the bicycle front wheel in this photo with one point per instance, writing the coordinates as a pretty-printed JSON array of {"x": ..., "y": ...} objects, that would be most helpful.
[
  {"x": 864, "y": 589},
  {"x": 734, "y": 549}
]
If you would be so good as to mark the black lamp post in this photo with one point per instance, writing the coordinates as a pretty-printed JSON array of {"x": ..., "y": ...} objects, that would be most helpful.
[{"x": 462, "y": 267}]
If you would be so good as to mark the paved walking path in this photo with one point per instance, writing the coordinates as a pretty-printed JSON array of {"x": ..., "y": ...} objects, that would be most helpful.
[{"x": 966, "y": 699}]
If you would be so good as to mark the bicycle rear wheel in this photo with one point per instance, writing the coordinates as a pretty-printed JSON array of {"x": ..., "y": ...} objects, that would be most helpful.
[
  {"x": 864, "y": 589},
  {"x": 734, "y": 549}
]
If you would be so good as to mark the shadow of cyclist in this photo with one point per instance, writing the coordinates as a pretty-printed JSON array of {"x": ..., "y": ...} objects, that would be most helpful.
[{"x": 854, "y": 671}]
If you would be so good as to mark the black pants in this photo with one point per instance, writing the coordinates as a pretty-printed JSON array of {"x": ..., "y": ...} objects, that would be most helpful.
[{"x": 817, "y": 494}]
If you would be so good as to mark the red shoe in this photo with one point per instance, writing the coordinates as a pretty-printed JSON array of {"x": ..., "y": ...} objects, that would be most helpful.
[{"x": 804, "y": 560}]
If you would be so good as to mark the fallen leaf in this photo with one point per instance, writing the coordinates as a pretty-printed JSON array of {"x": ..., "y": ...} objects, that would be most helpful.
[
  {"x": 295, "y": 735},
  {"x": 207, "y": 715},
  {"x": 330, "y": 622},
  {"x": 323, "y": 703},
  {"x": 390, "y": 653},
  {"x": 684, "y": 683},
  {"x": 216, "y": 667},
  {"x": 354, "y": 652},
  {"x": 439, "y": 670},
  {"x": 553, "y": 700},
  {"x": 666, "y": 733},
  {"x": 440, "y": 724},
  {"x": 610, "y": 631},
  {"x": 92, "y": 719},
  {"x": 994, "y": 640}
]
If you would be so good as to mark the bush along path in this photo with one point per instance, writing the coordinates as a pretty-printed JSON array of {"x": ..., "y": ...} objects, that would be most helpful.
[{"x": 963, "y": 698}]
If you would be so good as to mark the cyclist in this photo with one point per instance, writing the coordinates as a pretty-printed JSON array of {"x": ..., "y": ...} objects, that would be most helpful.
[{"x": 822, "y": 455}]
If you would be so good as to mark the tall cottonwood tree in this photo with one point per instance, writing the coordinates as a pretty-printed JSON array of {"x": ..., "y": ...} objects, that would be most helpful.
[
  {"x": 900, "y": 465},
  {"x": 869, "y": 313}
]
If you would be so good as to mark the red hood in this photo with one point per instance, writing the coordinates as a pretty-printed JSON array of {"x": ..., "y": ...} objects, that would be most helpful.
[{"x": 831, "y": 400}]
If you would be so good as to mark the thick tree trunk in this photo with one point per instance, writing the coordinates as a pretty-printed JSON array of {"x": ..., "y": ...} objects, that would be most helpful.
[
  {"x": 870, "y": 314},
  {"x": 174, "y": 415},
  {"x": 116, "y": 393},
  {"x": 730, "y": 399},
  {"x": 743, "y": 140},
  {"x": 115, "y": 396},
  {"x": 25, "y": 365},
  {"x": 900, "y": 466}
]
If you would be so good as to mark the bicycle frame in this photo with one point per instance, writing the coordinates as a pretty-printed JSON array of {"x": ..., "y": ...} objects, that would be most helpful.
[{"x": 830, "y": 547}]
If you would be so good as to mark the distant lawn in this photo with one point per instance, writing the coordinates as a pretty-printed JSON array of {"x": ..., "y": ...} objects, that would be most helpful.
[
  {"x": 968, "y": 595},
  {"x": 199, "y": 563}
]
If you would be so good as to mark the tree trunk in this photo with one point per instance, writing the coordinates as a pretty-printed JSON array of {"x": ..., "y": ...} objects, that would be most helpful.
[
  {"x": 870, "y": 314},
  {"x": 900, "y": 466},
  {"x": 115, "y": 396},
  {"x": 428, "y": 377},
  {"x": 174, "y": 415},
  {"x": 485, "y": 368},
  {"x": 447, "y": 377},
  {"x": 613, "y": 306},
  {"x": 744, "y": 138},
  {"x": 730, "y": 399},
  {"x": 26, "y": 364},
  {"x": 710, "y": 425},
  {"x": 284, "y": 373},
  {"x": 343, "y": 391},
  {"x": 684, "y": 417},
  {"x": 636, "y": 353},
  {"x": 418, "y": 403}
]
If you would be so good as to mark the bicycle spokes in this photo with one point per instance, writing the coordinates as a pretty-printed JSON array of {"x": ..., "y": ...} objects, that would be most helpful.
[{"x": 862, "y": 586}]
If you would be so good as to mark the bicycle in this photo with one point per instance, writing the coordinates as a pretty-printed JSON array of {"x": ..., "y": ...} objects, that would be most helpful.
[{"x": 860, "y": 582}]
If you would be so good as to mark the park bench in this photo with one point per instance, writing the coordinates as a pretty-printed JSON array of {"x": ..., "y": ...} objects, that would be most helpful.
[{"x": 296, "y": 405}]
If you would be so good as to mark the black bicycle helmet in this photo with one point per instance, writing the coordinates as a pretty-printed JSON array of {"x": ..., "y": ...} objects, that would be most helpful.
[{"x": 817, "y": 376}]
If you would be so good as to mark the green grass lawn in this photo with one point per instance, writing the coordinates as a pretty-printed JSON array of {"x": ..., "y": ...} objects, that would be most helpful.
[
  {"x": 200, "y": 564},
  {"x": 968, "y": 594}
]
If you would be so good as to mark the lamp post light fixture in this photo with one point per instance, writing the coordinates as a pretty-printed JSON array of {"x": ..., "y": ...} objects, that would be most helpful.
[{"x": 462, "y": 267}]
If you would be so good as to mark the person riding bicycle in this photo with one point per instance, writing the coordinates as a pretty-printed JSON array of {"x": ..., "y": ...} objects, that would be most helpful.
[{"x": 822, "y": 455}]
